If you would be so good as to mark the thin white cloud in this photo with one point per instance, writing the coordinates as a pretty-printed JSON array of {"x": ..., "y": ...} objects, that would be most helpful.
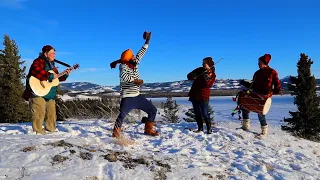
[{"x": 17, "y": 4}]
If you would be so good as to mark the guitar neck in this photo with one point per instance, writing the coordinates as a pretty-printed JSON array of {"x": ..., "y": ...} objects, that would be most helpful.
[{"x": 64, "y": 72}]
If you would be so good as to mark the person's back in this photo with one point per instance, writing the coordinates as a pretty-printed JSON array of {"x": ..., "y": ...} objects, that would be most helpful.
[{"x": 264, "y": 79}]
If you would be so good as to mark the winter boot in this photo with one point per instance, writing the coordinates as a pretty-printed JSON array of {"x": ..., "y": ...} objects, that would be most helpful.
[
  {"x": 199, "y": 130},
  {"x": 208, "y": 124},
  {"x": 209, "y": 129},
  {"x": 246, "y": 124},
  {"x": 144, "y": 119},
  {"x": 200, "y": 126},
  {"x": 148, "y": 129},
  {"x": 264, "y": 130},
  {"x": 116, "y": 132}
]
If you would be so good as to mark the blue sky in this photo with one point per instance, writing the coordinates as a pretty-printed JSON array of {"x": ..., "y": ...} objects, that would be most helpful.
[{"x": 94, "y": 33}]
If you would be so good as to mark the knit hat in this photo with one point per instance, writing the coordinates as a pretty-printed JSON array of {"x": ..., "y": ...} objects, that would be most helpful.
[
  {"x": 209, "y": 61},
  {"x": 125, "y": 57},
  {"x": 265, "y": 59},
  {"x": 47, "y": 48}
]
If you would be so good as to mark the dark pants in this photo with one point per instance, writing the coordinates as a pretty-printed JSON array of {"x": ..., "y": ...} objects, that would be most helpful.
[
  {"x": 138, "y": 102},
  {"x": 201, "y": 111},
  {"x": 262, "y": 118}
]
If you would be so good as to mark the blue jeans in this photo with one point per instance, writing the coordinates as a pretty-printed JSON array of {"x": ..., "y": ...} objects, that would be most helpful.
[
  {"x": 138, "y": 102},
  {"x": 201, "y": 111},
  {"x": 262, "y": 118}
]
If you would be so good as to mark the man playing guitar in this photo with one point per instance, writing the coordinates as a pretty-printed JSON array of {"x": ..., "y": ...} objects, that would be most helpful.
[{"x": 43, "y": 107}]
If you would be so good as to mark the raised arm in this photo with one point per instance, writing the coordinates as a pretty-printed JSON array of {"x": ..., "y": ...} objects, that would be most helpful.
[
  {"x": 143, "y": 50},
  {"x": 196, "y": 72}
]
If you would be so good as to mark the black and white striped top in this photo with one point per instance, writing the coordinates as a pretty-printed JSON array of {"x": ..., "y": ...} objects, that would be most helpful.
[{"x": 128, "y": 75}]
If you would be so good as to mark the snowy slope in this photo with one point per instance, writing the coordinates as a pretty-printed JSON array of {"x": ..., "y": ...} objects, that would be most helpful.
[{"x": 176, "y": 154}]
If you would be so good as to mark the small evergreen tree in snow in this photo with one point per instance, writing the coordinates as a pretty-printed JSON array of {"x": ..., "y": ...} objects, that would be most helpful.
[
  {"x": 171, "y": 110},
  {"x": 211, "y": 113},
  {"x": 13, "y": 107},
  {"x": 191, "y": 116},
  {"x": 306, "y": 121}
]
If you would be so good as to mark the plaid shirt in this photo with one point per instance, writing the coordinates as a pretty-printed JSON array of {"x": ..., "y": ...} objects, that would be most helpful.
[
  {"x": 200, "y": 89},
  {"x": 39, "y": 69},
  {"x": 266, "y": 82}
]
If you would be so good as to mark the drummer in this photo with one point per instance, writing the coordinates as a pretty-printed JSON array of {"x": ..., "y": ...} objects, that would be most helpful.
[{"x": 265, "y": 83}]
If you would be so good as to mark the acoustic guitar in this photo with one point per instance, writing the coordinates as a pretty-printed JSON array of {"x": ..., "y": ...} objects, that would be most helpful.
[{"x": 42, "y": 88}]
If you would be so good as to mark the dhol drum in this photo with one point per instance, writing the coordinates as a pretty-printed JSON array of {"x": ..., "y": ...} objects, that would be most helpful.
[{"x": 254, "y": 102}]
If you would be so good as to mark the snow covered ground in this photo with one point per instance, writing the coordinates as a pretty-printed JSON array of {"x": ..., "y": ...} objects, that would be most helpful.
[{"x": 86, "y": 150}]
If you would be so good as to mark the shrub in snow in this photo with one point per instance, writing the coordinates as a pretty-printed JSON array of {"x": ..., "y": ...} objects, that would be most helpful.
[
  {"x": 191, "y": 116},
  {"x": 171, "y": 110}
]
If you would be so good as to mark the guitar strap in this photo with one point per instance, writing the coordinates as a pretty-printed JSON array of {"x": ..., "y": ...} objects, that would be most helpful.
[{"x": 62, "y": 63}]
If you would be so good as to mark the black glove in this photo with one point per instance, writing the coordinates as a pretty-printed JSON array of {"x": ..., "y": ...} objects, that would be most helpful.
[{"x": 245, "y": 83}]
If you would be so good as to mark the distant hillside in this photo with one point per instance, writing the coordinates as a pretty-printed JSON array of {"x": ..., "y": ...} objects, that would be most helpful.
[{"x": 174, "y": 86}]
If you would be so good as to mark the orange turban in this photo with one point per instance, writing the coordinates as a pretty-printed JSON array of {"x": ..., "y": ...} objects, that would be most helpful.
[{"x": 126, "y": 56}]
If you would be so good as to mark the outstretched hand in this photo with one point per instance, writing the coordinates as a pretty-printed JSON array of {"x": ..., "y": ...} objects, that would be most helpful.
[{"x": 147, "y": 36}]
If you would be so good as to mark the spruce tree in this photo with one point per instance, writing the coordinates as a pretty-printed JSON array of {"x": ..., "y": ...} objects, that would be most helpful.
[
  {"x": 13, "y": 107},
  {"x": 191, "y": 116},
  {"x": 305, "y": 121},
  {"x": 171, "y": 110}
]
